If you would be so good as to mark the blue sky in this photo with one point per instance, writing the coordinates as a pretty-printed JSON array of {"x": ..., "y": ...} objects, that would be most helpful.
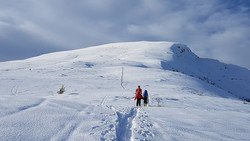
[{"x": 218, "y": 29}]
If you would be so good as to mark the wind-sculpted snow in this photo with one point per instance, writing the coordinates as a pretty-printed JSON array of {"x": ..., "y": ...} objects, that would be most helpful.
[
  {"x": 233, "y": 79},
  {"x": 190, "y": 98}
]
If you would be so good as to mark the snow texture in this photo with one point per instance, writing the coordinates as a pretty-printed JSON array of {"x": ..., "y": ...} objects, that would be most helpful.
[{"x": 190, "y": 98}]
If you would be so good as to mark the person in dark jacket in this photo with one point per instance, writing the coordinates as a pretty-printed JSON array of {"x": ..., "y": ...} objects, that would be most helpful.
[
  {"x": 145, "y": 96},
  {"x": 138, "y": 96}
]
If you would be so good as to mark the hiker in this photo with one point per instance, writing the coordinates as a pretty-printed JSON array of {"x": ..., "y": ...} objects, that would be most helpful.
[
  {"x": 145, "y": 96},
  {"x": 138, "y": 96}
]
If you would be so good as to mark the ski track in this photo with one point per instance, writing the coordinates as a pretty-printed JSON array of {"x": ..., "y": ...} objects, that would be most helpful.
[
  {"x": 106, "y": 128},
  {"x": 15, "y": 88},
  {"x": 124, "y": 123},
  {"x": 103, "y": 102}
]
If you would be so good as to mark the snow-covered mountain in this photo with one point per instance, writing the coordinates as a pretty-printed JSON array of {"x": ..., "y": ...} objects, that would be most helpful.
[{"x": 191, "y": 98}]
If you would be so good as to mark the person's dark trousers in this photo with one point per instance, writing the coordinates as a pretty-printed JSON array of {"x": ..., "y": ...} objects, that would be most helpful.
[
  {"x": 138, "y": 102},
  {"x": 145, "y": 100}
]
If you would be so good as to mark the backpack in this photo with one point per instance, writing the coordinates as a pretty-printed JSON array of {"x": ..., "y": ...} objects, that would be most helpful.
[{"x": 145, "y": 93}]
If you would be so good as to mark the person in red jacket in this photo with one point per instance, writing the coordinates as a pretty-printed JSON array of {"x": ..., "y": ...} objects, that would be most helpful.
[{"x": 138, "y": 96}]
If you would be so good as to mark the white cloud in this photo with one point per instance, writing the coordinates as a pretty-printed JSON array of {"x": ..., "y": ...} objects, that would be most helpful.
[{"x": 207, "y": 27}]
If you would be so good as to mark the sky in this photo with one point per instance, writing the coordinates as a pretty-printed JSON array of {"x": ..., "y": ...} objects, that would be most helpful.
[{"x": 217, "y": 29}]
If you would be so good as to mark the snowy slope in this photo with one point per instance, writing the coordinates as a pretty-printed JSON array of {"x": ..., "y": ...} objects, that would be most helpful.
[
  {"x": 191, "y": 98},
  {"x": 230, "y": 78}
]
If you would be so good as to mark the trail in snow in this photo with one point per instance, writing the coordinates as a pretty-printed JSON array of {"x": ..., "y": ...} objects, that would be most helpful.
[
  {"x": 124, "y": 123},
  {"x": 15, "y": 88},
  {"x": 131, "y": 123},
  {"x": 142, "y": 126}
]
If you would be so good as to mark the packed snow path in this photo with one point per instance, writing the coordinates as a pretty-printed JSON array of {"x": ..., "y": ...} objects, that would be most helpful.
[
  {"x": 130, "y": 123},
  {"x": 187, "y": 102}
]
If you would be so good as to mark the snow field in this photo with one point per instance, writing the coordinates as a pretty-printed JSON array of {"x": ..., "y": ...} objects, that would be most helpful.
[{"x": 99, "y": 104}]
